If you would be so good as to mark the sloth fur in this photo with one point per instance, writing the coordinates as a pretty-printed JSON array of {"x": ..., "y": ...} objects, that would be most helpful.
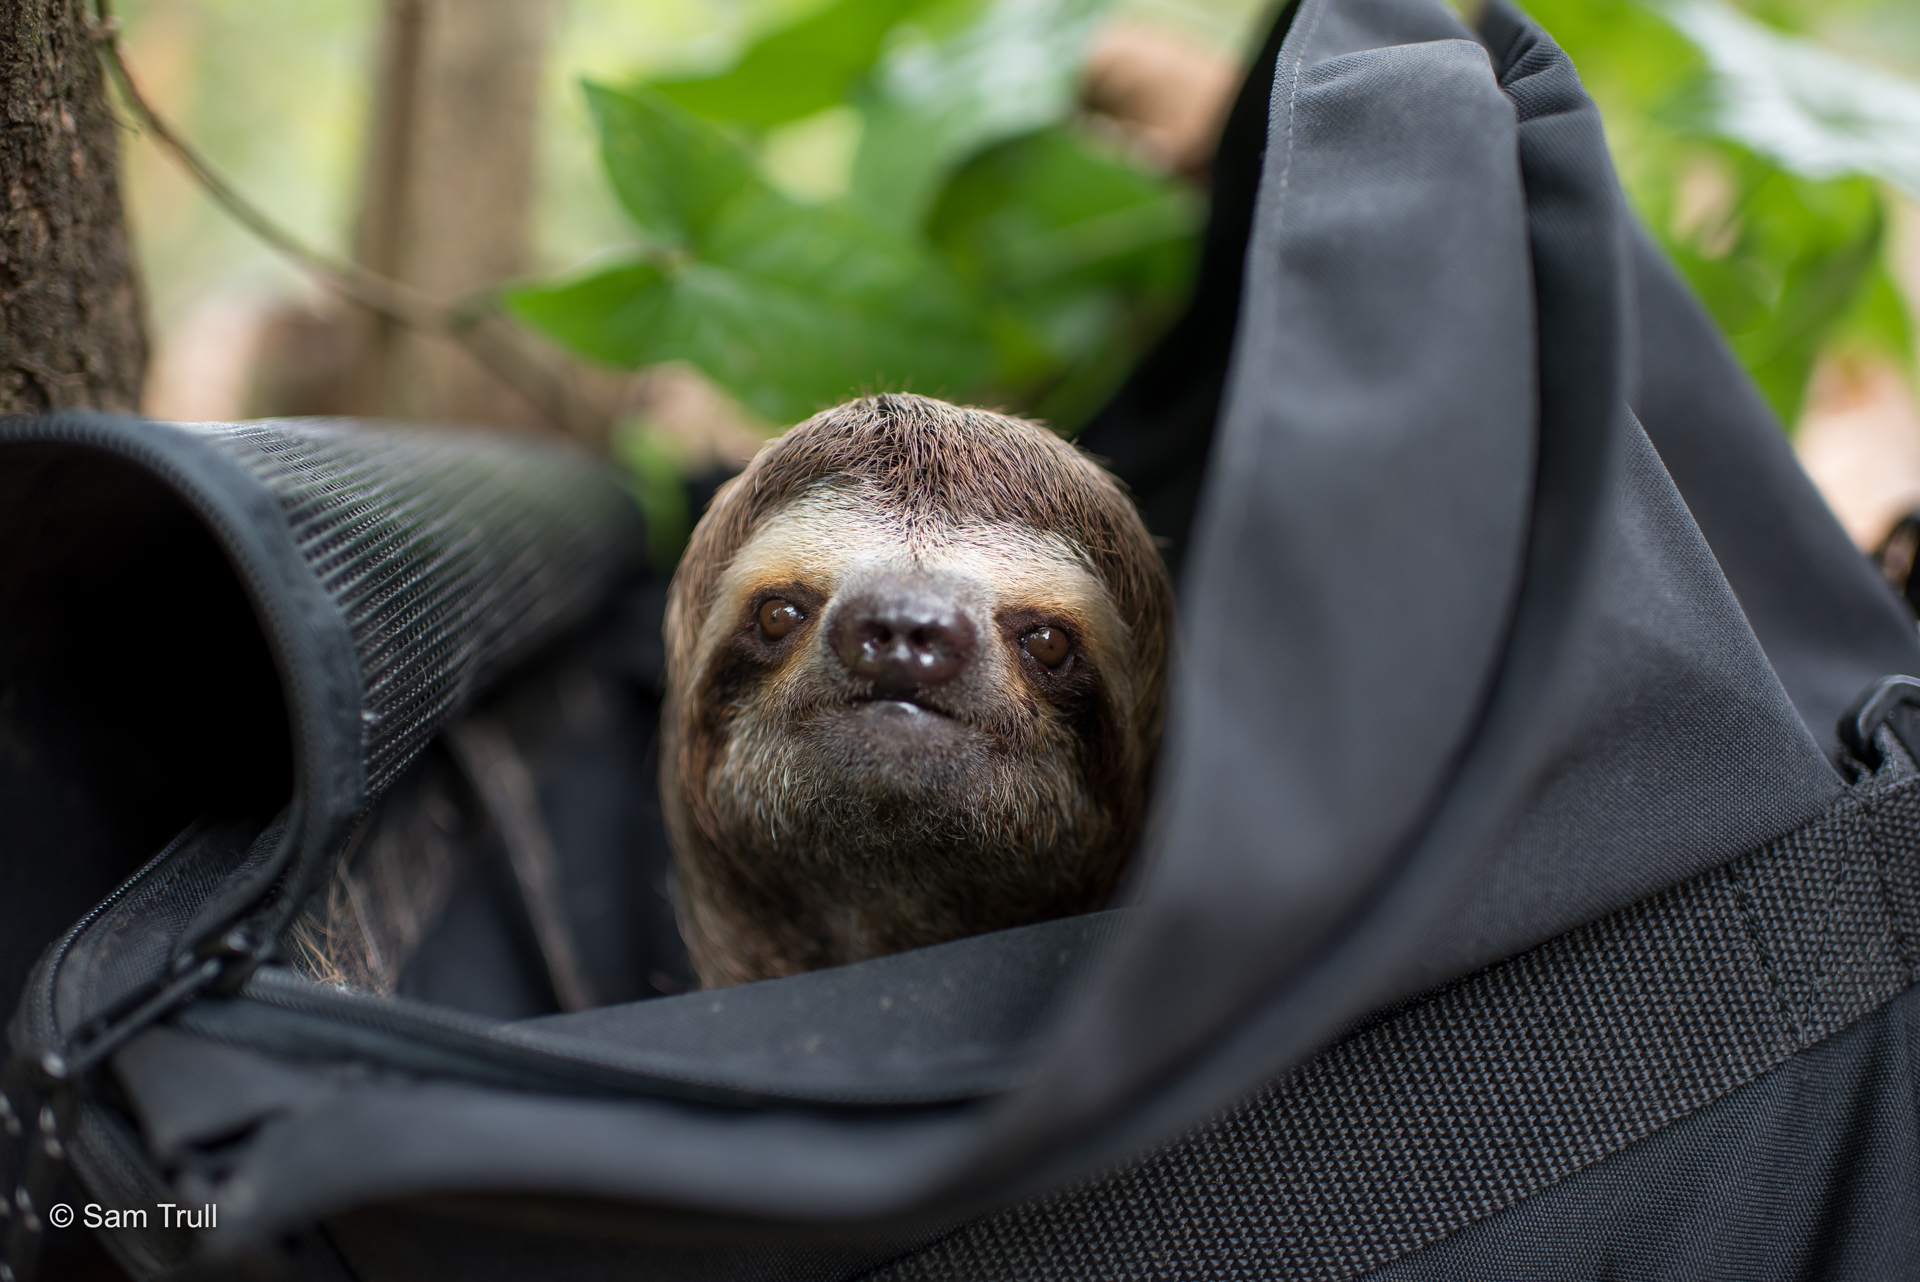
[{"x": 826, "y": 808}]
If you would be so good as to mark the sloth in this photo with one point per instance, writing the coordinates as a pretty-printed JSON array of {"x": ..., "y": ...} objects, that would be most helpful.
[{"x": 916, "y": 664}]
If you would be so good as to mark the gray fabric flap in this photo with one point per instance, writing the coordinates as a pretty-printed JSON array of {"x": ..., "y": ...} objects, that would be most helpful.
[
  {"x": 975, "y": 1000},
  {"x": 1352, "y": 584},
  {"x": 189, "y": 1092}
]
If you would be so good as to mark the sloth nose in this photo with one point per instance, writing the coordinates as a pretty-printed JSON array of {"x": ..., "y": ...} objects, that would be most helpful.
[{"x": 900, "y": 639}]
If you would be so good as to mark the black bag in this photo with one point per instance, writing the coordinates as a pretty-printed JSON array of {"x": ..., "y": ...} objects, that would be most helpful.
[{"x": 1514, "y": 904}]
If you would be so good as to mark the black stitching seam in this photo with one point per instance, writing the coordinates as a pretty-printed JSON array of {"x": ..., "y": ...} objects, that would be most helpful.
[{"x": 1744, "y": 907}]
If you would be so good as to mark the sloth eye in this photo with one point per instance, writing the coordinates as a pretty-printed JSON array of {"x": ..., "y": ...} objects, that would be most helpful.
[
  {"x": 1049, "y": 646},
  {"x": 777, "y": 618}
]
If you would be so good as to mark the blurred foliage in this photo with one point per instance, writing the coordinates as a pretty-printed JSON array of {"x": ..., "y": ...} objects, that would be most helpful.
[
  {"x": 275, "y": 91},
  {"x": 1762, "y": 143},
  {"x": 1076, "y": 257},
  {"x": 654, "y": 474},
  {"x": 788, "y": 305},
  {"x": 986, "y": 246},
  {"x": 1766, "y": 163}
]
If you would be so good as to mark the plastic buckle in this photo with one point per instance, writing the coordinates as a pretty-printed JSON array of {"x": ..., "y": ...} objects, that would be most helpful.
[{"x": 1873, "y": 709}]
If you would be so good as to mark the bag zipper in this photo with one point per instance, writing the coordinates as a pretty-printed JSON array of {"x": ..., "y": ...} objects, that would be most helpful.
[
  {"x": 502, "y": 1054},
  {"x": 39, "y": 1092}
]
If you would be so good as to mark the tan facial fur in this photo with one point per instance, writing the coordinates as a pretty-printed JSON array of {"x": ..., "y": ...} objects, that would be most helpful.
[{"x": 891, "y": 766}]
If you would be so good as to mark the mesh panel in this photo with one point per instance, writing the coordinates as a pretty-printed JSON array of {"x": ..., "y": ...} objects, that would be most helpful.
[
  {"x": 132, "y": 939},
  {"x": 1501, "y": 1085},
  {"x": 450, "y": 556}
]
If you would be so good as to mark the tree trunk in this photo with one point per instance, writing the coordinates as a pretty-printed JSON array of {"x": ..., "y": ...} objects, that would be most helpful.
[
  {"x": 70, "y": 323},
  {"x": 448, "y": 197}
]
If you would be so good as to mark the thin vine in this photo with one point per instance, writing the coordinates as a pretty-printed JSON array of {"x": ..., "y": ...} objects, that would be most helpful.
[{"x": 463, "y": 320}]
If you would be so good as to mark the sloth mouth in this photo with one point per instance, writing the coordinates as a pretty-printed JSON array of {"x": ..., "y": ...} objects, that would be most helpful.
[
  {"x": 904, "y": 717},
  {"x": 905, "y": 705},
  {"x": 892, "y": 742}
]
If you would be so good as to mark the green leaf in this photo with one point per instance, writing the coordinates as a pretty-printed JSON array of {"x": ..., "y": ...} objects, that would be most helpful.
[
  {"x": 599, "y": 315},
  {"x": 1046, "y": 207},
  {"x": 672, "y": 172},
  {"x": 1813, "y": 111},
  {"x": 1080, "y": 258},
  {"x": 935, "y": 100},
  {"x": 784, "y": 351},
  {"x": 789, "y": 306},
  {"x": 798, "y": 70},
  {"x": 1878, "y": 322},
  {"x": 1784, "y": 269}
]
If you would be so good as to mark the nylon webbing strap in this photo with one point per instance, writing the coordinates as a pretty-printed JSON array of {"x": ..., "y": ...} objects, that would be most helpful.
[{"x": 1513, "y": 1079}]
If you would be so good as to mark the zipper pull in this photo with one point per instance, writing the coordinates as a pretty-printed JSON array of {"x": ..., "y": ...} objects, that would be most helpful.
[
  {"x": 220, "y": 965},
  {"x": 38, "y": 1098}
]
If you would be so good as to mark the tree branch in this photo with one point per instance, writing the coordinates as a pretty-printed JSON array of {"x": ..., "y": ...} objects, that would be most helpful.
[{"x": 463, "y": 321}]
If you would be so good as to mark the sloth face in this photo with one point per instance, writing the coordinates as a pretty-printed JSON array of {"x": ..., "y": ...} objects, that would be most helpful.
[{"x": 898, "y": 725}]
